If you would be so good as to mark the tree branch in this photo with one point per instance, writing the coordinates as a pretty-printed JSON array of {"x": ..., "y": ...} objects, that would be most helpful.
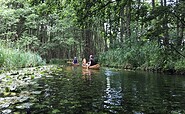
[
  {"x": 177, "y": 50},
  {"x": 181, "y": 20}
]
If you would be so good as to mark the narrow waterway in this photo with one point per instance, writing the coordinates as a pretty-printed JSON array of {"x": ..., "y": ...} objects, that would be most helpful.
[{"x": 74, "y": 90}]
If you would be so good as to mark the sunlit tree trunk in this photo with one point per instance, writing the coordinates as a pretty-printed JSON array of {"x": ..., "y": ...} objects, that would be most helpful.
[{"x": 110, "y": 29}]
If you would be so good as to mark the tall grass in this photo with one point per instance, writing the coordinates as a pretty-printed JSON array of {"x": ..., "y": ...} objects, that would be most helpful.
[
  {"x": 14, "y": 58},
  {"x": 148, "y": 56}
]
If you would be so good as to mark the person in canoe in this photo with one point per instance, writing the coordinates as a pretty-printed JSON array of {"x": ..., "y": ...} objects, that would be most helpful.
[
  {"x": 84, "y": 62},
  {"x": 92, "y": 61},
  {"x": 75, "y": 61},
  {"x": 92, "y": 64}
]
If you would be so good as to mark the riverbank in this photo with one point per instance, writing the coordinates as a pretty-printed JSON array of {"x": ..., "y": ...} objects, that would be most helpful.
[{"x": 150, "y": 69}]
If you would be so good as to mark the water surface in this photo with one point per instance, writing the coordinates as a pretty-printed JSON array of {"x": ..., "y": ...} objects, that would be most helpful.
[{"x": 79, "y": 91}]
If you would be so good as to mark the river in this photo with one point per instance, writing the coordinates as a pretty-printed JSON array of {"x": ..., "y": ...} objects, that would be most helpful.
[{"x": 74, "y": 90}]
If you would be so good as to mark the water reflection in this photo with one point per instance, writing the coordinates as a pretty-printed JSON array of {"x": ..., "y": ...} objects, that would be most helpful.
[
  {"x": 113, "y": 95},
  {"x": 74, "y": 90},
  {"x": 137, "y": 92},
  {"x": 86, "y": 74}
]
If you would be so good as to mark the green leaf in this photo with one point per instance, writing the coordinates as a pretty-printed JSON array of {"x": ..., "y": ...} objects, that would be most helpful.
[{"x": 55, "y": 111}]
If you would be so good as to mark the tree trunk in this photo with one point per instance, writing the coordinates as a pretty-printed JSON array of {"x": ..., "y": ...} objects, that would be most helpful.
[
  {"x": 122, "y": 29},
  {"x": 165, "y": 27},
  {"x": 87, "y": 49},
  {"x": 153, "y": 4},
  {"x": 105, "y": 37},
  {"x": 137, "y": 20},
  {"x": 128, "y": 16}
]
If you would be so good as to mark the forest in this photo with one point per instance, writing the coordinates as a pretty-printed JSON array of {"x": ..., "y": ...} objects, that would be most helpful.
[{"x": 133, "y": 34}]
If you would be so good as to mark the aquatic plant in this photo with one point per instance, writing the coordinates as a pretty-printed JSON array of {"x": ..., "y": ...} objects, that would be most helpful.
[{"x": 15, "y": 58}]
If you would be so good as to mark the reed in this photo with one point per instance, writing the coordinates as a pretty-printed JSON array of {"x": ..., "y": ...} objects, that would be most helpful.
[{"x": 14, "y": 58}]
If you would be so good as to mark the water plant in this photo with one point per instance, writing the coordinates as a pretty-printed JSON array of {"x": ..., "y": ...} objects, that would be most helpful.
[{"x": 15, "y": 58}]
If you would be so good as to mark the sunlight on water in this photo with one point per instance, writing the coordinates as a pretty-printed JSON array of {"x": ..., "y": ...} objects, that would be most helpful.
[{"x": 113, "y": 96}]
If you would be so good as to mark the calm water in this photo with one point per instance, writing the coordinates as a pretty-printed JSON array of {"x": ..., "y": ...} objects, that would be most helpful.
[{"x": 77, "y": 91}]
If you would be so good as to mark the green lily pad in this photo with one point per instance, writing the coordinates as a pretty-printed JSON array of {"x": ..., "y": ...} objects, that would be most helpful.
[
  {"x": 6, "y": 93},
  {"x": 7, "y": 111},
  {"x": 36, "y": 92},
  {"x": 55, "y": 111},
  {"x": 4, "y": 105},
  {"x": 24, "y": 105},
  {"x": 12, "y": 93}
]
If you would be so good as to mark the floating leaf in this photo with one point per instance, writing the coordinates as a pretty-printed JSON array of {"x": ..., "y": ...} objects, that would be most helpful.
[
  {"x": 19, "y": 107},
  {"x": 55, "y": 111},
  {"x": 13, "y": 87},
  {"x": 36, "y": 92},
  {"x": 6, "y": 111},
  {"x": 5, "y": 105},
  {"x": 16, "y": 112},
  {"x": 24, "y": 105},
  {"x": 12, "y": 93}
]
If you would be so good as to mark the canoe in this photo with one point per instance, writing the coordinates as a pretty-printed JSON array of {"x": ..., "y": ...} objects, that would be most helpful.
[
  {"x": 96, "y": 67},
  {"x": 76, "y": 64}
]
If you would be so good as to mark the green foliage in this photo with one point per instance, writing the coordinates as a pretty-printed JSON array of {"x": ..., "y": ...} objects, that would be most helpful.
[
  {"x": 180, "y": 65},
  {"x": 28, "y": 42},
  {"x": 57, "y": 61},
  {"x": 2, "y": 57},
  {"x": 13, "y": 58},
  {"x": 32, "y": 21},
  {"x": 41, "y": 26},
  {"x": 152, "y": 55},
  {"x": 147, "y": 55},
  {"x": 127, "y": 56},
  {"x": 136, "y": 33}
]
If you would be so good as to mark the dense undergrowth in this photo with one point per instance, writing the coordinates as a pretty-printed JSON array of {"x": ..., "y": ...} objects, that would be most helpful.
[
  {"x": 14, "y": 58},
  {"x": 147, "y": 56}
]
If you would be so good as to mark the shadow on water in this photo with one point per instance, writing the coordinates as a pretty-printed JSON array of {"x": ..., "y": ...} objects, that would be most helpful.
[{"x": 84, "y": 91}]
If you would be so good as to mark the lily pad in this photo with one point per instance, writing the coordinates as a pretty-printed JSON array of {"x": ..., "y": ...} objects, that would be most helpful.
[
  {"x": 36, "y": 92},
  {"x": 24, "y": 105},
  {"x": 55, "y": 111},
  {"x": 5, "y": 105},
  {"x": 7, "y": 111}
]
